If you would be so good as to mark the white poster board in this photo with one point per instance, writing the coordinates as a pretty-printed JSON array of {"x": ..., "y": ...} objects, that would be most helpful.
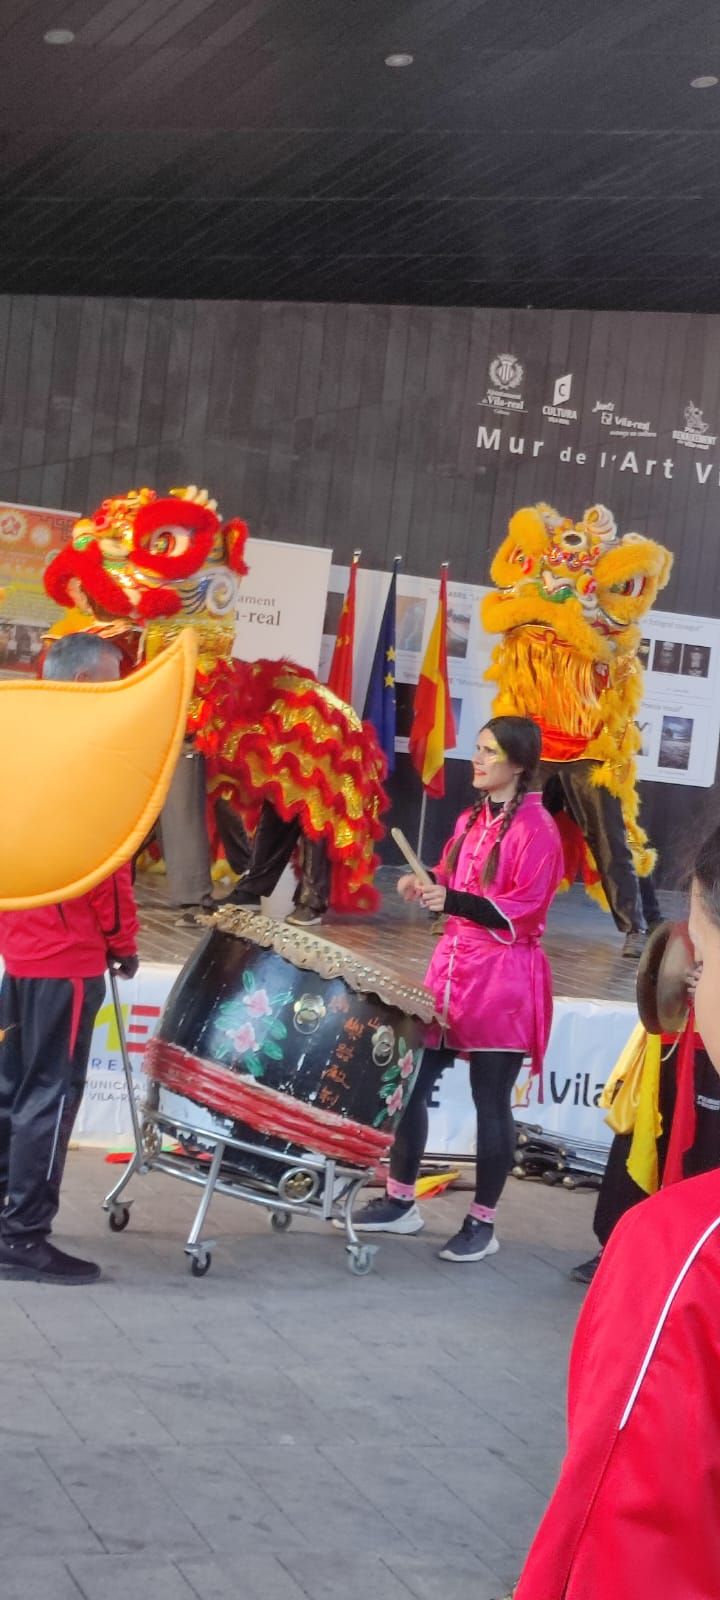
[
  {"x": 680, "y": 716},
  {"x": 281, "y": 603}
]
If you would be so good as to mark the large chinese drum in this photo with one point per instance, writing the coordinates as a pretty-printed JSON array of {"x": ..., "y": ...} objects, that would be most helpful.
[{"x": 274, "y": 1037}]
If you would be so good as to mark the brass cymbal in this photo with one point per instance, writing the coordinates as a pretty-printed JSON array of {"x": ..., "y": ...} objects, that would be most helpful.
[
  {"x": 647, "y": 976},
  {"x": 662, "y": 982}
]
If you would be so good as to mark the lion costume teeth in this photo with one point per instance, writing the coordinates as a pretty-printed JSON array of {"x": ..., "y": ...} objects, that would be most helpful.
[{"x": 568, "y": 600}]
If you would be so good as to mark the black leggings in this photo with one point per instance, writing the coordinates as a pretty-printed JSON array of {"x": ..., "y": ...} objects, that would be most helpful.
[{"x": 492, "y": 1075}]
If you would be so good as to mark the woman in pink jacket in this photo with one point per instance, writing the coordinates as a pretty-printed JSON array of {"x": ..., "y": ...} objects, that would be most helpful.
[{"x": 490, "y": 979}]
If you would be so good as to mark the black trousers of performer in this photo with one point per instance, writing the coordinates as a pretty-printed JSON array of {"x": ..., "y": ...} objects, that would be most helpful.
[
  {"x": 492, "y": 1076},
  {"x": 42, "y": 1077},
  {"x": 618, "y": 1191},
  {"x": 598, "y": 815},
  {"x": 261, "y": 862}
]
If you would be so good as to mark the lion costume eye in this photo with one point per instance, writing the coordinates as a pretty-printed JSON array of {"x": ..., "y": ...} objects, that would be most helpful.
[
  {"x": 630, "y": 589},
  {"x": 168, "y": 542}
]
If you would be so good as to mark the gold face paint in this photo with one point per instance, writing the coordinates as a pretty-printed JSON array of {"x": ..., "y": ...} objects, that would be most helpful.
[{"x": 491, "y": 749}]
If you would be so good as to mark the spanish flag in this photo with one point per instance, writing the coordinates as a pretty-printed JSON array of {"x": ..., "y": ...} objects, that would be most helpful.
[
  {"x": 340, "y": 678},
  {"x": 433, "y": 729}
]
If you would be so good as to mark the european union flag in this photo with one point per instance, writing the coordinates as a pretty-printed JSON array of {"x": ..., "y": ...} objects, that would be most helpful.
[{"x": 380, "y": 698}]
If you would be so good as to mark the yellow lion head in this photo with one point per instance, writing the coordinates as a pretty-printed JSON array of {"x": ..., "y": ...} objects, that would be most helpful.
[{"x": 578, "y": 579}]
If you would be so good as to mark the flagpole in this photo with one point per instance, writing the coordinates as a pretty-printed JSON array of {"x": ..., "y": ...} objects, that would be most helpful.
[{"x": 444, "y": 567}]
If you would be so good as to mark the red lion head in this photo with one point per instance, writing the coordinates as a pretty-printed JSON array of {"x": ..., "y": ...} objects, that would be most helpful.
[{"x": 125, "y": 560}]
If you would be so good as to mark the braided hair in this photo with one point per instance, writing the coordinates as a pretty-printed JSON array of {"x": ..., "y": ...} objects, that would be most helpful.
[{"x": 521, "y": 742}]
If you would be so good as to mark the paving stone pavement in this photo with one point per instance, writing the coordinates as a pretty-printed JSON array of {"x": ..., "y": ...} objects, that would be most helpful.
[{"x": 280, "y": 1430}]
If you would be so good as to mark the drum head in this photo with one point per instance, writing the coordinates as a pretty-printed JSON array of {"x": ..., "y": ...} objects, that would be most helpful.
[{"x": 662, "y": 980}]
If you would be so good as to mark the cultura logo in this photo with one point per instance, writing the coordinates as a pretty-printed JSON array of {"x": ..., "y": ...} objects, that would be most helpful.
[
  {"x": 560, "y": 411},
  {"x": 506, "y": 372}
]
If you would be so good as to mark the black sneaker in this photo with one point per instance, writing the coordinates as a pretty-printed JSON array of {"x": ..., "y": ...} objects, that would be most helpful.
[
  {"x": 635, "y": 942},
  {"x": 586, "y": 1270},
  {"x": 474, "y": 1242},
  {"x": 304, "y": 917},
  {"x": 39, "y": 1261},
  {"x": 190, "y": 913},
  {"x": 385, "y": 1215}
]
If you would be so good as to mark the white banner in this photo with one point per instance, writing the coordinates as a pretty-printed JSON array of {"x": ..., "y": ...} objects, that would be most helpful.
[
  {"x": 587, "y": 1038},
  {"x": 104, "y": 1116},
  {"x": 281, "y": 603}
]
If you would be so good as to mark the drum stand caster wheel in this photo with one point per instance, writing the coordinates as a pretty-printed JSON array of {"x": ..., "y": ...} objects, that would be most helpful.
[
  {"x": 280, "y": 1221},
  {"x": 118, "y": 1218},
  {"x": 360, "y": 1258},
  {"x": 200, "y": 1264}
]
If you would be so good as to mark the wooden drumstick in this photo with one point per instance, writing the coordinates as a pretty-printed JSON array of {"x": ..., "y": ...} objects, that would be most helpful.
[{"x": 415, "y": 866}]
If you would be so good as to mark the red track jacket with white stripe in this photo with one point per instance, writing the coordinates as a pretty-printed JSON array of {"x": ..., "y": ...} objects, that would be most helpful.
[{"x": 636, "y": 1512}]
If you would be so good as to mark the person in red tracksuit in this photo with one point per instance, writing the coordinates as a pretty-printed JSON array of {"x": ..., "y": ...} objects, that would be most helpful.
[
  {"x": 55, "y": 959},
  {"x": 635, "y": 1512}
]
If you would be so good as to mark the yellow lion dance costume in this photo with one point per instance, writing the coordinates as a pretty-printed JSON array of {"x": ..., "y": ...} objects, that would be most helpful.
[{"x": 568, "y": 600}]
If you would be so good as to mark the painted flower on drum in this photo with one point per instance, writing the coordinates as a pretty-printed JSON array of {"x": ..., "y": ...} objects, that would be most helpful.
[
  {"x": 395, "y": 1084},
  {"x": 257, "y": 1003},
  {"x": 244, "y": 1038},
  {"x": 394, "y": 1104}
]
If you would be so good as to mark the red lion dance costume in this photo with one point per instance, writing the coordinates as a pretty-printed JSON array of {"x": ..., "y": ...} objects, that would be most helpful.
[{"x": 143, "y": 567}]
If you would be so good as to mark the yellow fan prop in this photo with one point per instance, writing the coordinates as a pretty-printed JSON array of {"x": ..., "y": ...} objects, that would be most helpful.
[{"x": 86, "y": 768}]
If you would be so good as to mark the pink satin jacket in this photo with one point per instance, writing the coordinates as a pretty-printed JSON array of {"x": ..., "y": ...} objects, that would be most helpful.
[{"x": 493, "y": 987}]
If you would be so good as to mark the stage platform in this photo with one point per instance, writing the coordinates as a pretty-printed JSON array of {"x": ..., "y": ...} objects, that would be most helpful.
[
  {"x": 594, "y": 1014},
  {"x": 581, "y": 941}
]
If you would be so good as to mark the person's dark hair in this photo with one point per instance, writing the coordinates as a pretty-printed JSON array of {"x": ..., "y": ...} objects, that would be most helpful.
[
  {"x": 706, "y": 874},
  {"x": 81, "y": 655},
  {"x": 521, "y": 742}
]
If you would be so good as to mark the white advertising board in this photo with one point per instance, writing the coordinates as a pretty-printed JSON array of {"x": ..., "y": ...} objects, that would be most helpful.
[{"x": 281, "y": 603}]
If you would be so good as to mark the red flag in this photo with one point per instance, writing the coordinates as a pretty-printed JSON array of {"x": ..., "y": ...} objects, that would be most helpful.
[
  {"x": 433, "y": 729},
  {"x": 340, "y": 678}
]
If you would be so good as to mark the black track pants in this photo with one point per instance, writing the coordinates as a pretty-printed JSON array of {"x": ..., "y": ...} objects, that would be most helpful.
[{"x": 46, "y": 1029}]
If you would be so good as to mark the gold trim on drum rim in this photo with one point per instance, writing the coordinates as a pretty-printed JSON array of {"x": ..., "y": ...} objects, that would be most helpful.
[{"x": 312, "y": 954}]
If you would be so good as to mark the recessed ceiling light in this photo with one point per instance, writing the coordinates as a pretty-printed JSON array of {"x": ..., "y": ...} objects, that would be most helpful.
[
  {"x": 399, "y": 61},
  {"x": 59, "y": 36},
  {"x": 703, "y": 83}
]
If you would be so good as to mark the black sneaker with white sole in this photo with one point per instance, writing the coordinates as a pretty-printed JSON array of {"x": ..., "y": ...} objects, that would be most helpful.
[
  {"x": 474, "y": 1242},
  {"x": 304, "y": 917},
  {"x": 385, "y": 1215},
  {"x": 39, "y": 1261}
]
